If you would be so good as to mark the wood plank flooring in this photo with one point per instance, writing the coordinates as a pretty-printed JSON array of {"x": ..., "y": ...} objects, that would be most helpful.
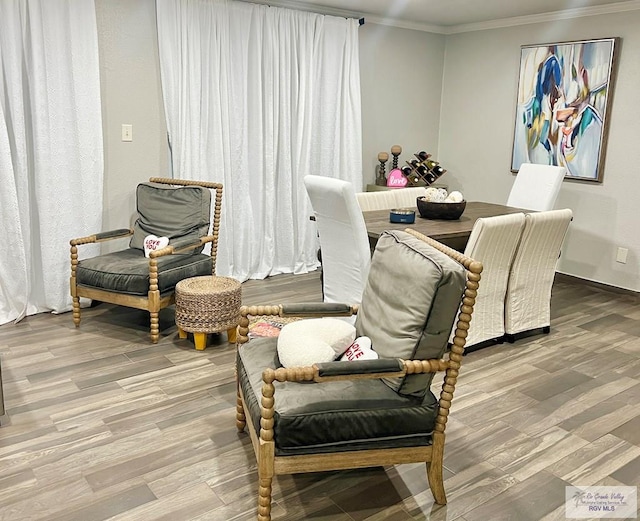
[{"x": 103, "y": 425}]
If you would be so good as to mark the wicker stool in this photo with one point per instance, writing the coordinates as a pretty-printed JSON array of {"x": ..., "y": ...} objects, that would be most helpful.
[{"x": 207, "y": 304}]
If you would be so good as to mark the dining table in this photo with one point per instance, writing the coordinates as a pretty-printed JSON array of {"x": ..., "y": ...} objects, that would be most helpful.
[{"x": 454, "y": 233}]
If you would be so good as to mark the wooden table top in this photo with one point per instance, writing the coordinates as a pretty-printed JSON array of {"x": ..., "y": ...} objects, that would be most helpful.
[{"x": 378, "y": 220}]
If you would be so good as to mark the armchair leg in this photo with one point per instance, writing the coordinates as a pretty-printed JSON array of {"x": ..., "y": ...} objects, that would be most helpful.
[
  {"x": 155, "y": 327},
  {"x": 76, "y": 311},
  {"x": 264, "y": 499},
  {"x": 241, "y": 419},
  {"x": 434, "y": 469}
]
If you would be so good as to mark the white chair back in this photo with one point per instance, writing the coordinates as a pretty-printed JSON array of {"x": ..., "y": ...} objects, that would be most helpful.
[
  {"x": 388, "y": 199},
  {"x": 493, "y": 242},
  {"x": 406, "y": 197},
  {"x": 528, "y": 300},
  {"x": 536, "y": 187},
  {"x": 344, "y": 243},
  {"x": 381, "y": 200}
]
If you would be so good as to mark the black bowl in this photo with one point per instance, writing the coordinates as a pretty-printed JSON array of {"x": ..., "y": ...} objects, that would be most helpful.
[{"x": 432, "y": 210}]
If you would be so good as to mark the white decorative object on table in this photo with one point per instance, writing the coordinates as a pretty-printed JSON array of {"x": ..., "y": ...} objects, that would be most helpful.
[
  {"x": 454, "y": 197},
  {"x": 435, "y": 195}
]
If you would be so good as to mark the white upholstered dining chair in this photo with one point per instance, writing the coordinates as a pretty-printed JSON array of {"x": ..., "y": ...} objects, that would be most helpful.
[
  {"x": 344, "y": 243},
  {"x": 381, "y": 200},
  {"x": 406, "y": 197},
  {"x": 536, "y": 187},
  {"x": 493, "y": 242},
  {"x": 388, "y": 199},
  {"x": 528, "y": 299}
]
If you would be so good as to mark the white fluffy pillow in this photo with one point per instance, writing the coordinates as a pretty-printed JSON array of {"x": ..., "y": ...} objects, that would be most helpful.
[{"x": 315, "y": 340}]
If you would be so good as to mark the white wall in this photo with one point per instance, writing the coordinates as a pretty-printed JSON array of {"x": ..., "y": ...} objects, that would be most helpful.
[
  {"x": 401, "y": 85},
  {"x": 131, "y": 94},
  {"x": 476, "y": 132}
]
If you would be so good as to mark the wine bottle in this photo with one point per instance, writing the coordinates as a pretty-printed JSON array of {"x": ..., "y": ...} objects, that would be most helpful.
[
  {"x": 438, "y": 170},
  {"x": 430, "y": 178},
  {"x": 423, "y": 156},
  {"x": 406, "y": 170},
  {"x": 414, "y": 163},
  {"x": 431, "y": 164}
]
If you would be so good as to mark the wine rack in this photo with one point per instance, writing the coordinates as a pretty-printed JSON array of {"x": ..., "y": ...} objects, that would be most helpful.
[{"x": 422, "y": 170}]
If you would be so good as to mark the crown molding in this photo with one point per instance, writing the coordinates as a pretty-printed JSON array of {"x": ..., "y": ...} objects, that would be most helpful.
[
  {"x": 631, "y": 5},
  {"x": 619, "y": 7},
  {"x": 406, "y": 24}
]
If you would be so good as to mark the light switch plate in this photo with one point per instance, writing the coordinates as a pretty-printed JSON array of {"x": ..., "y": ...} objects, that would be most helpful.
[
  {"x": 621, "y": 255},
  {"x": 127, "y": 132}
]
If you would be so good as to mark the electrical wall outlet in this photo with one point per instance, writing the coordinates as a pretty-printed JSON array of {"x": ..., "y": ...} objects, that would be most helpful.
[
  {"x": 127, "y": 132},
  {"x": 621, "y": 255}
]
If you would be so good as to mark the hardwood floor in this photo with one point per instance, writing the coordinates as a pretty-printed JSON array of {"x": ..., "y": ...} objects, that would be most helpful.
[{"x": 103, "y": 425}]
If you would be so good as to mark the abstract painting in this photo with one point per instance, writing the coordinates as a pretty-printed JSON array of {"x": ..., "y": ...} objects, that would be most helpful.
[{"x": 564, "y": 93}]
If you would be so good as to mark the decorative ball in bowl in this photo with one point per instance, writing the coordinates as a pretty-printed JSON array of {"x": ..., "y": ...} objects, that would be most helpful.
[{"x": 441, "y": 209}]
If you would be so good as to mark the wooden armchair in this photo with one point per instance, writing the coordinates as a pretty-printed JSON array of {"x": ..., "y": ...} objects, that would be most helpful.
[
  {"x": 343, "y": 415},
  {"x": 173, "y": 208}
]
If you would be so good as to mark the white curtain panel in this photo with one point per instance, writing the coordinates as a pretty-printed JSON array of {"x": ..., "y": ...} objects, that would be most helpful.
[
  {"x": 257, "y": 97},
  {"x": 51, "y": 162}
]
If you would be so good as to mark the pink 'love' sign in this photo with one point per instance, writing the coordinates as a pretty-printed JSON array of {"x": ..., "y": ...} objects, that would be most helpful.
[{"x": 396, "y": 179}]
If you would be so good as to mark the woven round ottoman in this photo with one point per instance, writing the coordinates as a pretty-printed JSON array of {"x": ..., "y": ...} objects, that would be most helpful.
[{"x": 208, "y": 304}]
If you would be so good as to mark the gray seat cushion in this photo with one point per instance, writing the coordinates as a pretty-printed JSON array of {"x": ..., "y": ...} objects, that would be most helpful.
[
  {"x": 333, "y": 416},
  {"x": 176, "y": 213},
  {"x": 409, "y": 304},
  {"x": 127, "y": 271}
]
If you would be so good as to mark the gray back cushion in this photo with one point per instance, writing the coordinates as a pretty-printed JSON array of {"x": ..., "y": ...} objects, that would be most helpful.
[
  {"x": 409, "y": 304},
  {"x": 176, "y": 213}
]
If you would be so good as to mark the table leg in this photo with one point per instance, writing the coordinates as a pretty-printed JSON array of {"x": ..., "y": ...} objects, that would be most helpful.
[
  {"x": 182, "y": 333},
  {"x": 231, "y": 335}
]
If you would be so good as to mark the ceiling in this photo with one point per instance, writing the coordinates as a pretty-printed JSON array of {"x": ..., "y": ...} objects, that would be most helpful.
[{"x": 448, "y": 16}]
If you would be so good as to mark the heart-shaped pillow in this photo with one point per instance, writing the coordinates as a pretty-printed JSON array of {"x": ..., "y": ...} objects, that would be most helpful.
[
  {"x": 360, "y": 350},
  {"x": 314, "y": 340},
  {"x": 153, "y": 243}
]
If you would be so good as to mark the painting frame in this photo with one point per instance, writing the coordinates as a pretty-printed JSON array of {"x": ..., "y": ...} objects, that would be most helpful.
[{"x": 563, "y": 105}]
